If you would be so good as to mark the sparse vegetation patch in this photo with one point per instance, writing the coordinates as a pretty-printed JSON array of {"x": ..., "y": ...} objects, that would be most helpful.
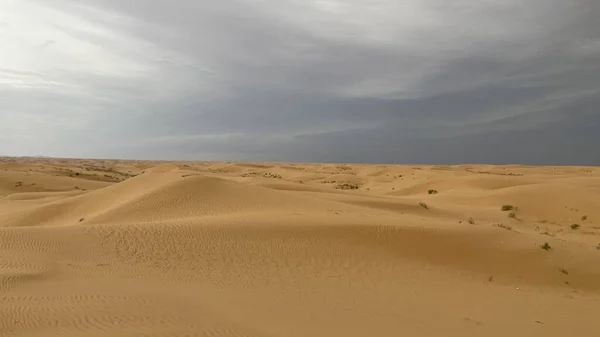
[
  {"x": 347, "y": 186},
  {"x": 328, "y": 182},
  {"x": 432, "y": 192},
  {"x": 545, "y": 246},
  {"x": 264, "y": 175},
  {"x": 501, "y": 225}
]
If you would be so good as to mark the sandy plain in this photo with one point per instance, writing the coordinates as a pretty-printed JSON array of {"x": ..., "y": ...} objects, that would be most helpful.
[{"x": 139, "y": 248}]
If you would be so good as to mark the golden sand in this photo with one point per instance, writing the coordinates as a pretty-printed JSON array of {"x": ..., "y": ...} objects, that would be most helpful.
[{"x": 132, "y": 248}]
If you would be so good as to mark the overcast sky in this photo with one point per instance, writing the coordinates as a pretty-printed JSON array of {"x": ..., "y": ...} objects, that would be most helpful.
[{"x": 405, "y": 81}]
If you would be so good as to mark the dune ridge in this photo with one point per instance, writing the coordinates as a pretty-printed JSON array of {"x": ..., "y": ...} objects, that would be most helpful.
[{"x": 133, "y": 248}]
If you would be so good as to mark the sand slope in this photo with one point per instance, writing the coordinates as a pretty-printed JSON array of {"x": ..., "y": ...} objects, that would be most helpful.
[{"x": 264, "y": 249}]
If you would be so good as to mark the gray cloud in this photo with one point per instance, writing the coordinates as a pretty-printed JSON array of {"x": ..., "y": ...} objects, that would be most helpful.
[{"x": 378, "y": 81}]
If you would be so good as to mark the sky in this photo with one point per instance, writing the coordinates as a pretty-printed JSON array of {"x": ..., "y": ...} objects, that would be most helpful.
[{"x": 374, "y": 81}]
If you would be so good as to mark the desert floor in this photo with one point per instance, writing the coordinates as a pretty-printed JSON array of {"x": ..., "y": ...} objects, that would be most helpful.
[{"x": 133, "y": 248}]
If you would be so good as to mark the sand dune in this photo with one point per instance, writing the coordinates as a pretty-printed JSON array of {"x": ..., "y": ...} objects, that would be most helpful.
[{"x": 133, "y": 248}]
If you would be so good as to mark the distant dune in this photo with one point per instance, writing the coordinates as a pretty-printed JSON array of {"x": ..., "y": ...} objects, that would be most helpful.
[{"x": 136, "y": 248}]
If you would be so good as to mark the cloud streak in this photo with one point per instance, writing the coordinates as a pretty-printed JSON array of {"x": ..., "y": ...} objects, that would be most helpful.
[{"x": 368, "y": 81}]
